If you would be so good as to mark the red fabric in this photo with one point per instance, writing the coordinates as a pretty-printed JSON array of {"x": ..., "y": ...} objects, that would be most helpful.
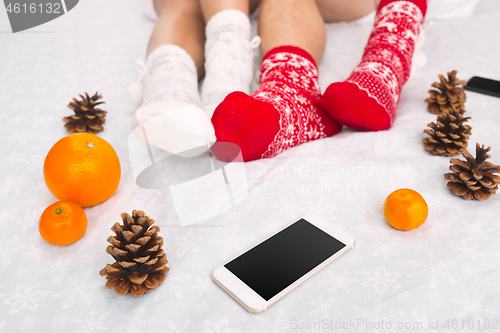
[
  {"x": 284, "y": 112},
  {"x": 367, "y": 100},
  {"x": 421, "y": 4}
]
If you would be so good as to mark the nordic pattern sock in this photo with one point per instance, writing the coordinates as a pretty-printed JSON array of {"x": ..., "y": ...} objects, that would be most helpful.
[
  {"x": 228, "y": 58},
  {"x": 367, "y": 100},
  {"x": 284, "y": 112}
]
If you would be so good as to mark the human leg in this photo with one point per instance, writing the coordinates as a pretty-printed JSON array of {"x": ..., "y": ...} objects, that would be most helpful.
[
  {"x": 367, "y": 100},
  {"x": 344, "y": 10},
  {"x": 294, "y": 22},
  {"x": 285, "y": 111},
  {"x": 170, "y": 100},
  {"x": 180, "y": 22},
  {"x": 228, "y": 53}
]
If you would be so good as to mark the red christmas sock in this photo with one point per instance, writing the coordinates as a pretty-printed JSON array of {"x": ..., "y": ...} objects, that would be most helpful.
[
  {"x": 367, "y": 100},
  {"x": 284, "y": 112}
]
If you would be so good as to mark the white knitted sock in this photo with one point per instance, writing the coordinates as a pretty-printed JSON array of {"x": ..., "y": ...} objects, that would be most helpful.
[
  {"x": 171, "y": 74},
  {"x": 170, "y": 113},
  {"x": 228, "y": 58}
]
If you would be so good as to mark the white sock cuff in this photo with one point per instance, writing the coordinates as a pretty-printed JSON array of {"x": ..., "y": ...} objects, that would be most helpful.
[
  {"x": 171, "y": 50},
  {"x": 226, "y": 17}
]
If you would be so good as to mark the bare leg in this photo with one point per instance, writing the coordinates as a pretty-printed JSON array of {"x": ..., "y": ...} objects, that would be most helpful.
[
  {"x": 180, "y": 23},
  {"x": 344, "y": 10},
  {"x": 292, "y": 22},
  {"x": 285, "y": 111}
]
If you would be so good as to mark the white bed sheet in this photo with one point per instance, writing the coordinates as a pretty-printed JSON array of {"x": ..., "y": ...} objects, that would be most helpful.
[{"x": 448, "y": 269}]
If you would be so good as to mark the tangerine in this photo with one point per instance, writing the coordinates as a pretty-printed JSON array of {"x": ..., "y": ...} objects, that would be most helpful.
[
  {"x": 62, "y": 223},
  {"x": 405, "y": 209},
  {"x": 82, "y": 168}
]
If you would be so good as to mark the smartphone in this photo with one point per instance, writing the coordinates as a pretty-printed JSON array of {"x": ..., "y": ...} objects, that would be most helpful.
[
  {"x": 268, "y": 271},
  {"x": 483, "y": 86}
]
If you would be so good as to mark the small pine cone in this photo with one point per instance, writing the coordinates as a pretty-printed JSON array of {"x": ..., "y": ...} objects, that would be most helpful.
[
  {"x": 140, "y": 264},
  {"x": 447, "y": 95},
  {"x": 473, "y": 178},
  {"x": 87, "y": 119},
  {"x": 449, "y": 134}
]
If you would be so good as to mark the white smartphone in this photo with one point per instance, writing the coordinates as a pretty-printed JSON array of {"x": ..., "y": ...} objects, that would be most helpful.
[{"x": 268, "y": 271}]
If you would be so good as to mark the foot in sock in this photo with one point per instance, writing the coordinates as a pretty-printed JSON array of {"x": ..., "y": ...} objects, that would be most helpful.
[
  {"x": 284, "y": 112},
  {"x": 228, "y": 58},
  {"x": 170, "y": 116},
  {"x": 367, "y": 100}
]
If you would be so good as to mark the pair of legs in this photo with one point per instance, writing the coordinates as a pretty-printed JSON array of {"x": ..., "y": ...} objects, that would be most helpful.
[
  {"x": 288, "y": 108},
  {"x": 193, "y": 38},
  {"x": 182, "y": 23},
  {"x": 281, "y": 22}
]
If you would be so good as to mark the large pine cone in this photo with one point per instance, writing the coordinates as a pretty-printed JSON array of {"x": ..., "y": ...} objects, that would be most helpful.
[
  {"x": 473, "y": 178},
  {"x": 140, "y": 264},
  {"x": 448, "y": 95},
  {"x": 449, "y": 134},
  {"x": 87, "y": 119}
]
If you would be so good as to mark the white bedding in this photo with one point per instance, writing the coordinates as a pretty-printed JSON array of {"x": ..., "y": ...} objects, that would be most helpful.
[{"x": 448, "y": 269}]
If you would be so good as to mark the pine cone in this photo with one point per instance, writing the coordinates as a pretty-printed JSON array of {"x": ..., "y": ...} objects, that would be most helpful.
[
  {"x": 86, "y": 118},
  {"x": 449, "y": 135},
  {"x": 140, "y": 263},
  {"x": 447, "y": 95},
  {"x": 474, "y": 178}
]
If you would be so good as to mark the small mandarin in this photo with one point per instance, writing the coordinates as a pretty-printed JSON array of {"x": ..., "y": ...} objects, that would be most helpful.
[
  {"x": 82, "y": 168},
  {"x": 405, "y": 209},
  {"x": 62, "y": 223}
]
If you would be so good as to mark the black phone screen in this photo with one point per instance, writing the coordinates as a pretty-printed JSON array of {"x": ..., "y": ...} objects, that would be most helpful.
[
  {"x": 483, "y": 86},
  {"x": 282, "y": 259}
]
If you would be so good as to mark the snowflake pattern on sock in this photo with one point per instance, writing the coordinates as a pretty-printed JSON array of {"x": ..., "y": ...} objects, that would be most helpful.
[
  {"x": 386, "y": 61},
  {"x": 290, "y": 82},
  {"x": 228, "y": 58},
  {"x": 171, "y": 75}
]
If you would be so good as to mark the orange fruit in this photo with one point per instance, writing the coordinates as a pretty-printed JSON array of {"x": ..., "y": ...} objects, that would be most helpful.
[
  {"x": 82, "y": 168},
  {"x": 62, "y": 223},
  {"x": 405, "y": 209}
]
